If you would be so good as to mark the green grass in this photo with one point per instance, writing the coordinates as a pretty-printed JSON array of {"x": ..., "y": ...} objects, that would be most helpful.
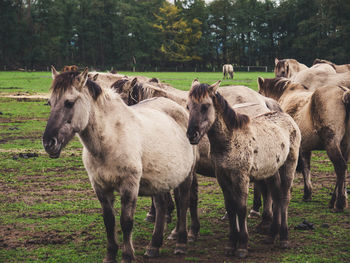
[{"x": 49, "y": 212}]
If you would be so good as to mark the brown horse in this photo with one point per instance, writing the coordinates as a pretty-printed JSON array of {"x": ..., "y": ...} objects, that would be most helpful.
[
  {"x": 138, "y": 150},
  {"x": 245, "y": 101},
  {"x": 323, "y": 118},
  {"x": 338, "y": 68},
  {"x": 265, "y": 147},
  {"x": 70, "y": 68}
]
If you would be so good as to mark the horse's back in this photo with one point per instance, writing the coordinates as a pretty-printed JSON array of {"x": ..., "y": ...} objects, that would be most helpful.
[{"x": 277, "y": 136}]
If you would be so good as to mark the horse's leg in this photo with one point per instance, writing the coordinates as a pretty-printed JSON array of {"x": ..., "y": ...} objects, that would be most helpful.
[
  {"x": 157, "y": 237},
  {"x": 274, "y": 188},
  {"x": 230, "y": 205},
  {"x": 266, "y": 219},
  {"x": 182, "y": 194},
  {"x": 106, "y": 199},
  {"x": 286, "y": 177},
  {"x": 170, "y": 207},
  {"x": 306, "y": 159},
  {"x": 128, "y": 197},
  {"x": 173, "y": 234},
  {"x": 151, "y": 215},
  {"x": 340, "y": 167},
  {"x": 257, "y": 199},
  {"x": 240, "y": 195},
  {"x": 195, "y": 225}
]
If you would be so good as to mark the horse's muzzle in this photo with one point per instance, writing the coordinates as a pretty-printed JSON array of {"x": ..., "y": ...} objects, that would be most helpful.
[
  {"x": 193, "y": 137},
  {"x": 52, "y": 147}
]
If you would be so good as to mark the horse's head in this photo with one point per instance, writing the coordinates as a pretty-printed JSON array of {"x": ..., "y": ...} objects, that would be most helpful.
[
  {"x": 70, "y": 101},
  {"x": 274, "y": 88},
  {"x": 281, "y": 68},
  {"x": 202, "y": 111}
]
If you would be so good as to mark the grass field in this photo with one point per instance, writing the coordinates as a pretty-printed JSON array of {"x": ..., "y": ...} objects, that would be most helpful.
[{"x": 49, "y": 213}]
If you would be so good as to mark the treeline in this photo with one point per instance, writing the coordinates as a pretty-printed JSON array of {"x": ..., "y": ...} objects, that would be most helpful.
[{"x": 151, "y": 34}]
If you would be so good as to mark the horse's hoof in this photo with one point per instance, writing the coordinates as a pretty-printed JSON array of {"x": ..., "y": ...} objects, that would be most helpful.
[
  {"x": 191, "y": 237},
  {"x": 254, "y": 214},
  {"x": 337, "y": 210},
  {"x": 241, "y": 253},
  {"x": 152, "y": 252},
  {"x": 307, "y": 198},
  {"x": 150, "y": 218},
  {"x": 180, "y": 249},
  {"x": 229, "y": 251},
  {"x": 263, "y": 228},
  {"x": 173, "y": 235},
  {"x": 284, "y": 244}
]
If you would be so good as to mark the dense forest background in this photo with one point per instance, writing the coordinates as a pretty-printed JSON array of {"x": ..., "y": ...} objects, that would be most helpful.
[{"x": 157, "y": 34}]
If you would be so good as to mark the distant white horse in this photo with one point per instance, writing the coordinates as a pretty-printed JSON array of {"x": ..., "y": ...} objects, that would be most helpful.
[
  {"x": 138, "y": 150},
  {"x": 227, "y": 70}
]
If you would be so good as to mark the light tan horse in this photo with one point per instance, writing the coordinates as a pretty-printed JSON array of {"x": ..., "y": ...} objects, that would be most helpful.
[
  {"x": 338, "y": 68},
  {"x": 138, "y": 150},
  {"x": 323, "y": 118},
  {"x": 314, "y": 77},
  {"x": 288, "y": 67},
  {"x": 265, "y": 147},
  {"x": 227, "y": 71},
  {"x": 292, "y": 69},
  {"x": 104, "y": 79}
]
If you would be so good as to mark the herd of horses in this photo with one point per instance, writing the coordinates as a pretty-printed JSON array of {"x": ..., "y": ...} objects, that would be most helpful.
[{"x": 143, "y": 137}]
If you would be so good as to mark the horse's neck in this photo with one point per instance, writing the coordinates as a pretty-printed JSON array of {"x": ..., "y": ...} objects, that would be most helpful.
[
  {"x": 107, "y": 118},
  {"x": 218, "y": 135},
  {"x": 292, "y": 101}
]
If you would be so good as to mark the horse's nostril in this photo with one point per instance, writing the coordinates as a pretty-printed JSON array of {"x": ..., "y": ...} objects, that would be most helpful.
[
  {"x": 196, "y": 134},
  {"x": 52, "y": 143}
]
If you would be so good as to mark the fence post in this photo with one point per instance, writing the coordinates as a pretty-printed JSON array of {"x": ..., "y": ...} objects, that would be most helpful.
[
  {"x": 248, "y": 69},
  {"x": 265, "y": 68}
]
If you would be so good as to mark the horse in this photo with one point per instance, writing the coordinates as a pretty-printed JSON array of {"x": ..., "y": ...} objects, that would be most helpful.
[
  {"x": 104, "y": 79},
  {"x": 315, "y": 77},
  {"x": 323, "y": 118},
  {"x": 338, "y": 68},
  {"x": 288, "y": 67},
  {"x": 244, "y": 99},
  {"x": 70, "y": 68},
  {"x": 264, "y": 147},
  {"x": 125, "y": 149},
  {"x": 227, "y": 71}
]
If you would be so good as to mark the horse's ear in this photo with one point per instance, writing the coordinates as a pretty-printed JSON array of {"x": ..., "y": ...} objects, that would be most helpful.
[
  {"x": 260, "y": 82},
  {"x": 54, "y": 72},
  {"x": 195, "y": 82},
  {"x": 94, "y": 78},
  {"x": 133, "y": 82},
  {"x": 213, "y": 88},
  {"x": 276, "y": 61},
  {"x": 83, "y": 77}
]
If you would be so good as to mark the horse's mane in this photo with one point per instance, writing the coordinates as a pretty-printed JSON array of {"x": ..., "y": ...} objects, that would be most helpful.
[
  {"x": 320, "y": 61},
  {"x": 118, "y": 85},
  {"x": 232, "y": 119},
  {"x": 64, "y": 81},
  {"x": 275, "y": 86}
]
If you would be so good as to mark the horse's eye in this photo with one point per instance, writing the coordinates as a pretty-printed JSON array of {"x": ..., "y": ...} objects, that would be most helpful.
[
  {"x": 204, "y": 108},
  {"x": 188, "y": 108},
  {"x": 69, "y": 104}
]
